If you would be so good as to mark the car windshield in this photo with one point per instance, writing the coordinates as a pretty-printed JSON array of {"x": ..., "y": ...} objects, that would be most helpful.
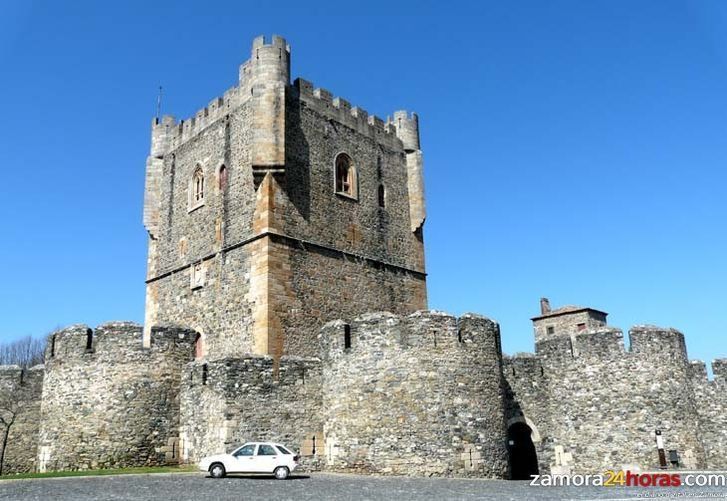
[
  {"x": 245, "y": 450},
  {"x": 283, "y": 449}
]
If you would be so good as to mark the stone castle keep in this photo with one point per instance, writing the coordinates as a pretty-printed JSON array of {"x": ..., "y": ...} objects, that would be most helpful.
[{"x": 286, "y": 300}]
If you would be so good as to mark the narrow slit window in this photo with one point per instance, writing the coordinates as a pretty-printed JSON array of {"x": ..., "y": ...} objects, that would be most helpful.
[
  {"x": 346, "y": 337},
  {"x": 204, "y": 374},
  {"x": 382, "y": 196},
  {"x": 89, "y": 340},
  {"x": 222, "y": 179}
]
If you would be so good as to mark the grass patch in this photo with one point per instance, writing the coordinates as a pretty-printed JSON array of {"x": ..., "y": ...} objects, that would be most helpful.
[{"x": 94, "y": 473}]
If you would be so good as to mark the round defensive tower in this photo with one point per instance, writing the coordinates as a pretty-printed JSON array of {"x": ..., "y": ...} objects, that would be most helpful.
[
  {"x": 110, "y": 402},
  {"x": 415, "y": 395}
]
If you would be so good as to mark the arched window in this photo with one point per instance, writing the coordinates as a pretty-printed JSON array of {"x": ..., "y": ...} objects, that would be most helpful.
[
  {"x": 199, "y": 347},
  {"x": 196, "y": 189},
  {"x": 382, "y": 196},
  {"x": 346, "y": 181},
  {"x": 222, "y": 179}
]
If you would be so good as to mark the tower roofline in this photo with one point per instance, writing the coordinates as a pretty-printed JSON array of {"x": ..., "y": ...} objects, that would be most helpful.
[{"x": 568, "y": 310}]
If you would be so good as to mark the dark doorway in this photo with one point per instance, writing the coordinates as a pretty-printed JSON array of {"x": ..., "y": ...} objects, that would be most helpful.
[{"x": 523, "y": 459}]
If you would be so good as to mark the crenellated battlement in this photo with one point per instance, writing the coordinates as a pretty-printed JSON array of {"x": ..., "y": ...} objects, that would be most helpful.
[
  {"x": 645, "y": 341},
  {"x": 354, "y": 117},
  {"x": 429, "y": 330},
  {"x": 121, "y": 341},
  {"x": 698, "y": 370},
  {"x": 226, "y": 375},
  {"x": 600, "y": 343},
  {"x": 523, "y": 366},
  {"x": 168, "y": 133},
  {"x": 652, "y": 341}
]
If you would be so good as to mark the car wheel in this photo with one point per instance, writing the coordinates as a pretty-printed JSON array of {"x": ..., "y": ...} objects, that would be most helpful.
[
  {"x": 217, "y": 470},
  {"x": 281, "y": 472}
]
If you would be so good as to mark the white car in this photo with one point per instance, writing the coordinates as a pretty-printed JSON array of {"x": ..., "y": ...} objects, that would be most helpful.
[{"x": 253, "y": 457}]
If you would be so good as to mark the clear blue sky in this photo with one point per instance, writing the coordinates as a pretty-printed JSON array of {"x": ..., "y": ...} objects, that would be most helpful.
[{"x": 573, "y": 149}]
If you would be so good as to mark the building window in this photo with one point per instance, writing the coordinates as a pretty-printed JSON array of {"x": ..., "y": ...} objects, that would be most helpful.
[
  {"x": 550, "y": 330},
  {"x": 204, "y": 373},
  {"x": 222, "y": 179},
  {"x": 196, "y": 189},
  {"x": 199, "y": 347},
  {"x": 581, "y": 327},
  {"x": 382, "y": 196},
  {"x": 346, "y": 181}
]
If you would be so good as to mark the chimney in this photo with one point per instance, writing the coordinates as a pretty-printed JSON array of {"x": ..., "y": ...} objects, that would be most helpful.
[{"x": 544, "y": 305}]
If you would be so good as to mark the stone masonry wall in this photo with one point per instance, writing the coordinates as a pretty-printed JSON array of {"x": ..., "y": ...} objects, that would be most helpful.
[
  {"x": 415, "y": 395},
  {"x": 20, "y": 394},
  {"x": 605, "y": 403},
  {"x": 249, "y": 301},
  {"x": 108, "y": 401},
  {"x": 526, "y": 391},
  {"x": 213, "y": 234},
  {"x": 227, "y": 402},
  {"x": 711, "y": 398}
]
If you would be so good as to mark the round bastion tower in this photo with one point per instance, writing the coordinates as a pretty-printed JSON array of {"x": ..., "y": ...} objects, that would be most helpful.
[{"x": 414, "y": 395}]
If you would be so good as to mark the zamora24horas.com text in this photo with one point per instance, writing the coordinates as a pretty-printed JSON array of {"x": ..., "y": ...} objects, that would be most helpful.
[{"x": 627, "y": 478}]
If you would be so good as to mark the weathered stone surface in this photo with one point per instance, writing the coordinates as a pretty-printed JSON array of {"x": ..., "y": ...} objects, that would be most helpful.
[
  {"x": 110, "y": 402},
  {"x": 281, "y": 252},
  {"x": 592, "y": 405},
  {"x": 229, "y": 401},
  {"x": 416, "y": 395},
  {"x": 20, "y": 397},
  {"x": 253, "y": 251}
]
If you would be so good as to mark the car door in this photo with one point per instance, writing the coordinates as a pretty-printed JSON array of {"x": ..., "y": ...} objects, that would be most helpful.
[
  {"x": 266, "y": 458},
  {"x": 245, "y": 459}
]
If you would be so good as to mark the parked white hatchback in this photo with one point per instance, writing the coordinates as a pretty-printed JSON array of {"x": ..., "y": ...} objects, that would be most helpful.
[{"x": 253, "y": 457}]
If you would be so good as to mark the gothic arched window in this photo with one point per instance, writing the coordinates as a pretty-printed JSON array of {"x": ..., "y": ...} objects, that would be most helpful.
[
  {"x": 196, "y": 189},
  {"x": 346, "y": 180},
  {"x": 198, "y": 185}
]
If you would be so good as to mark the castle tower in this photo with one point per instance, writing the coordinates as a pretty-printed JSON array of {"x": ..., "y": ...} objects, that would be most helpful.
[{"x": 278, "y": 208}]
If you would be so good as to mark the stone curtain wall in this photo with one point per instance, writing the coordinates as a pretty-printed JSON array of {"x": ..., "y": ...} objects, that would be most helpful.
[
  {"x": 605, "y": 403},
  {"x": 711, "y": 398},
  {"x": 20, "y": 394},
  {"x": 415, "y": 395},
  {"x": 116, "y": 404},
  {"x": 526, "y": 392},
  {"x": 228, "y": 402}
]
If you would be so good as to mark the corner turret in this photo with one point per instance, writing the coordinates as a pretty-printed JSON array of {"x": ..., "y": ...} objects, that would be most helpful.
[
  {"x": 407, "y": 129},
  {"x": 265, "y": 77}
]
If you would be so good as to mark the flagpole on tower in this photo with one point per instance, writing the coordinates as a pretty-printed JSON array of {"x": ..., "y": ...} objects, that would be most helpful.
[{"x": 159, "y": 104}]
